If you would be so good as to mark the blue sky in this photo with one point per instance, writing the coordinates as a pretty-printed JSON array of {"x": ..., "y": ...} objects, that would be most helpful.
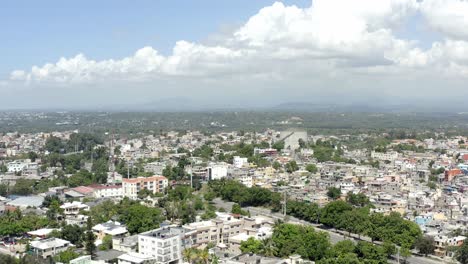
[
  {"x": 37, "y": 32},
  {"x": 239, "y": 53}
]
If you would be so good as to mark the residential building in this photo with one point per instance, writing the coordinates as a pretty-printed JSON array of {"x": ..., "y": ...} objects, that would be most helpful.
[
  {"x": 114, "y": 229},
  {"x": 155, "y": 184},
  {"x": 135, "y": 258},
  {"x": 239, "y": 162},
  {"x": 216, "y": 171},
  {"x": 74, "y": 208},
  {"x": 49, "y": 247},
  {"x": 164, "y": 244},
  {"x": 107, "y": 191}
]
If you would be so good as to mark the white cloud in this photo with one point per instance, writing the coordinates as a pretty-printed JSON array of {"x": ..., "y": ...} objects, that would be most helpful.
[
  {"x": 330, "y": 39},
  {"x": 449, "y": 17}
]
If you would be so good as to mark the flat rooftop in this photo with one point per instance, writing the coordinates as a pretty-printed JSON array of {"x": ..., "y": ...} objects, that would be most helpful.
[{"x": 165, "y": 232}]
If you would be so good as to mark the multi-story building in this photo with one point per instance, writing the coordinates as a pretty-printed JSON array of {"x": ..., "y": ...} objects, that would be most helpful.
[
  {"x": 239, "y": 162},
  {"x": 79, "y": 220},
  {"x": 107, "y": 191},
  {"x": 216, "y": 171},
  {"x": 16, "y": 166},
  {"x": 74, "y": 208},
  {"x": 155, "y": 184},
  {"x": 165, "y": 244},
  {"x": 113, "y": 229}
]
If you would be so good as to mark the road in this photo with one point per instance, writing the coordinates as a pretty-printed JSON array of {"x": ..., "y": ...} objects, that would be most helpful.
[{"x": 335, "y": 236}]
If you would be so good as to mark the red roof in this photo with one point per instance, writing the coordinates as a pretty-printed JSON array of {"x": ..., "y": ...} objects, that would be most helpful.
[{"x": 83, "y": 189}]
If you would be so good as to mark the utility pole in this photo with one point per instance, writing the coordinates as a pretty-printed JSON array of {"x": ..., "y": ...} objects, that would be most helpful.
[{"x": 284, "y": 204}]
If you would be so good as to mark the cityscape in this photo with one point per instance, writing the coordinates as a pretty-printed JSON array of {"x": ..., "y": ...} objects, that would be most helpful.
[{"x": 234, "y": 132}]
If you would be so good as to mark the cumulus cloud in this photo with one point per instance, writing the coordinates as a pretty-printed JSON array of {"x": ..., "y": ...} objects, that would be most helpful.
[
  {"x": 334, "y": 38},
  {"x": 449, "y": 17}
]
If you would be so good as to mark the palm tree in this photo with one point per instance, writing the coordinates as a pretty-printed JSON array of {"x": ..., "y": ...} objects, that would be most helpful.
[
  {"x": 214, "y": 259},
  {"x": 189, "y": 255},
  {"x": 204, "y": 256},
  {"x": 268, "y": 248}
]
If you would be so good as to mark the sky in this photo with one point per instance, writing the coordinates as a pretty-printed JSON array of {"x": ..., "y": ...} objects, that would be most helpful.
[{"x": 98, "y": 54}]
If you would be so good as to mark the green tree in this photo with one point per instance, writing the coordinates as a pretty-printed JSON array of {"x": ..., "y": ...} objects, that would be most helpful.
[
  {"x": 66, "y": 256},
  {"x": 236, "y": 209},
  {"x": 389, "y": 248},
  {"x": 276, "y": 165},
  {"x": 72, "y": 233},
  {"x": 330, "y": 213},
  {"x": 343, "y": 248},
  {"x": 425, "y": 245},
  {"x": 90, "y": 238},
  {"x": 23, "y": 187},
  {"x": 333, "y": 193},
  {"x": 312, "y": 168},
  {"x": 359, "y": 199},
  {"x": 462, "y": 254},
  {"x": 291, "y": 166},
  {"x": 251, "y": 245},
  {"x": 106, "y": 243}
]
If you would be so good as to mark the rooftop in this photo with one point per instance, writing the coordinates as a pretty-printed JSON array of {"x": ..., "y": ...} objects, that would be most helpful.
[
  {"x": 165, "y": 232},
  {"x": 50, "y": 243}
]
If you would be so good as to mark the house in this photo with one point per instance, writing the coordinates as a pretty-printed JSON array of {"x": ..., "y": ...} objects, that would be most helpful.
[
  {"x": 79, "y": 192},
  {"x": 135, "y": 258},
  {"x": 79, "y": 220},
  {"x": 49, "y": 247},
  {"x": 42, "y": 233},
  {"x": 24, "y": 202},
  {"x": 114, "y": 229},
  {"x": 74, "y": 208}
]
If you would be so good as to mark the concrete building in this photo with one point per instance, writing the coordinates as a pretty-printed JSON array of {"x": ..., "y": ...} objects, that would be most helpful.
[
  {"x": 216, "y": 171},
  {"x": 135, "y": 258},
  {"x": 49, "y": 247},
  {"x": 107, "y": 191},
  {"x": 74, "y": 208},
  {"x": 155, "y": 184},
  {"x": 113, "y": 229},
  {"x": 239, "y": 162},
  {"x": 164, "y": 244},
  {"x": 17, "y": 166}
]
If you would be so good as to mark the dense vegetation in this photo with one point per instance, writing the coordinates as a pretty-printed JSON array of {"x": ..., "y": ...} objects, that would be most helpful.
[
  {"x": 353, "y": 216},
  {"x": 289, "y": 239}
]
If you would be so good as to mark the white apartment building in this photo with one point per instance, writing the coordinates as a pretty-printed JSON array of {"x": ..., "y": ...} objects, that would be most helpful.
[
  {"x": 164, "y": 244},
  {"x": 239, "y": 162},
  {"x": 107, "y": 191},
  {"x": 216, "y": 171},
  {"x": 17, "y": 166},
  {"x": 155, "y": 184}
]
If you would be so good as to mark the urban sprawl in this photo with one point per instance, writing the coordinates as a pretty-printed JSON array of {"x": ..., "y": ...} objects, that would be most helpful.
[{"x": 270, "y": 196}]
